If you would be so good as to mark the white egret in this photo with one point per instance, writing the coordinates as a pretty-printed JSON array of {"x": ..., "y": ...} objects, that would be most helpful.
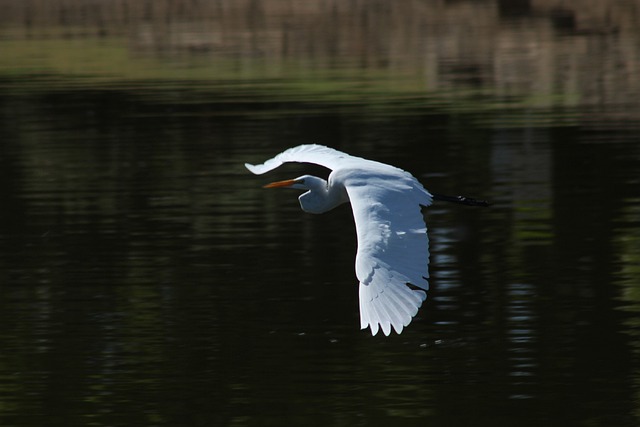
[{"x": 393, "y": 246}]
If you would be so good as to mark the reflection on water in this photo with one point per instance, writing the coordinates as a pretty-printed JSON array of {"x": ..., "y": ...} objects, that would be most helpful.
[{"x": 146, "y": 278}]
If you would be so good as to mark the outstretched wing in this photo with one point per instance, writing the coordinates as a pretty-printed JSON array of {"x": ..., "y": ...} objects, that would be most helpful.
[
  {"x": 393, "y": 247},
  {"x": 309, "y": 153}
]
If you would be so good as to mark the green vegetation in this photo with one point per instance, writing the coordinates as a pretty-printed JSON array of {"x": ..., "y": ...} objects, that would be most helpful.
[{"x": 103, "y": 62}]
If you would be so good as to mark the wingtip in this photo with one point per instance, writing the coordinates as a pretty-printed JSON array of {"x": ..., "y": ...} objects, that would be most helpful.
[
  {"x": 386, "y": 328},
  {"x": 374, "y": 328},
  {"x": 252, "y": 168},
  {"x": 399, "y": 327}
]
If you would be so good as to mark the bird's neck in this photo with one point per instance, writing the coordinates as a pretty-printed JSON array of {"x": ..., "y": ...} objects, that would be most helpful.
[{"x": 322, "y": 196}]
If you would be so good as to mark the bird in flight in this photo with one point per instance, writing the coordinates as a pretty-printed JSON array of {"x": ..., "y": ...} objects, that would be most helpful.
[{"x": 393, "y": 247}]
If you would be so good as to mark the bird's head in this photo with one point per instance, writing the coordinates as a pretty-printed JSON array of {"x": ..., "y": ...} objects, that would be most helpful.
[{"x": 318, "y": 198}]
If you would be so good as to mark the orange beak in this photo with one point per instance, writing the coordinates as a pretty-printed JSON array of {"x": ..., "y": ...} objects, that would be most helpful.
[{"x": 286, "y": 183}]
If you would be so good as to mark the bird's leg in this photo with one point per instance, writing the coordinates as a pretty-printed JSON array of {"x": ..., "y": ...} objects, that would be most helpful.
[{"x": 463, "y": 200}]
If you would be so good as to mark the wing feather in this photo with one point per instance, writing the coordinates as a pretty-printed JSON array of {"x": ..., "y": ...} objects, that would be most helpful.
[
  {"x": 393, "y": 246},
  {"x": 309, "y": 153}
]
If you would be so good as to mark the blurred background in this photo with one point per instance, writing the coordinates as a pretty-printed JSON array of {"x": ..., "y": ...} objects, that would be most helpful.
[{"x": 146, "y": 278}]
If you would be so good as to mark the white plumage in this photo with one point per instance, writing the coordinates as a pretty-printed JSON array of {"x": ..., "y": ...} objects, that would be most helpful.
[{"x": 393, "y": 247}]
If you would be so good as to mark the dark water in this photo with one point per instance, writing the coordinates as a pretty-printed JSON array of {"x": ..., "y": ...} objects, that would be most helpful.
[{"x": 146, "y": 278}]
